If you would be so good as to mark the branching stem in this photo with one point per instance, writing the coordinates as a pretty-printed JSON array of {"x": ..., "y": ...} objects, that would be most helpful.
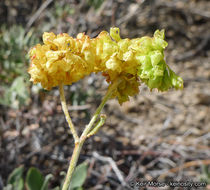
[{"x": 79, "y": 143}]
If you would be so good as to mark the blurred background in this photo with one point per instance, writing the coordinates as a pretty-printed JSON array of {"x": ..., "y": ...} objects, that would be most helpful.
[{"x": 154, "y": 136}]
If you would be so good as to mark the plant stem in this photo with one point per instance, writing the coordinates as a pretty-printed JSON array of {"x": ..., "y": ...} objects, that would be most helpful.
[
  {"x": 79, "y": 144},
  {"x": 98, "y": 125},
  {"x": 66, "y": 113},
  {"x": 98, "y": 110},
  {"x": 72, "y": 165}
]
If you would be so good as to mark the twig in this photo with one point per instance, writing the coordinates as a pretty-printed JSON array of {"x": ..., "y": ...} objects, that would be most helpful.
[
  {"x": 185, "y": 165},
  {"x": 129, "y": 15},
  {"x": 37, "y": 14},
  {"x": 195, "y": 144},
  {"x": 79, "y": 107},
  {"x": 44, "y": 150},
  {"x": 113, "y": 165},
  {"x": 191, "y": 53},
  {"x": 201, "y": 13},
  {"x": 128, "y": 118}
]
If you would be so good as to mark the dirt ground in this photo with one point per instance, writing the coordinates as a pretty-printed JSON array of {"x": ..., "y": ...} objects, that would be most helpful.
[{"x": 154, "y": 136}]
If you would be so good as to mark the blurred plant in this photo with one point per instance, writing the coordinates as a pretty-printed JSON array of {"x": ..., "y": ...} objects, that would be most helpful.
[
  {"x": 96, "y": 3},
  {"x": 14, "y": 44},
  {"x": 205, "y": 177},
  {"x": 61, "y": 10},
  {"x": 34, "y": 180},
  {"x": 126, "y": 64},
  {"x": 17, "y": 94},
  {"x": 57, "y": 16},
  {"x": 78, "y": 96}
]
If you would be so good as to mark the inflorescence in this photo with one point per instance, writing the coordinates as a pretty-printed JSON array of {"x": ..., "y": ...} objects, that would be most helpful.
[{"x": 64, "y": 60}]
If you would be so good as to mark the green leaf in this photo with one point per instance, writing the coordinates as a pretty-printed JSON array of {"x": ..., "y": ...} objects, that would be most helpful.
[
  {"x": 17, "y": 94},
  {"x": 19, "y": 185},
  {"x": 18, "y": 86},
  {"x": 62, "y": 173},
  {"x": 15, "y": 179},
  {"x": 206, "y": 171},
  {"x": 8, "y": 187},
  {"x": 34, "y": 179},
  {"x": 79, "y": 176},
  {"x": 15, "y": 175},
  {"x": 46, "y": 181},
  {"x": 56, "y": 188},
  {"x": 78, "y": 188},
  {"x": 96, "y": 3}
]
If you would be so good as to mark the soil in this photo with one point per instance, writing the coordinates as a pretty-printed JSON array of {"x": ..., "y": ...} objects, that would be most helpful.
[{"x": 153, "y": 137}]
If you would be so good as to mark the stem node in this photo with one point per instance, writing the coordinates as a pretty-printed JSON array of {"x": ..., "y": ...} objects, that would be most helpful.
[{"x": 87, "y": 131}]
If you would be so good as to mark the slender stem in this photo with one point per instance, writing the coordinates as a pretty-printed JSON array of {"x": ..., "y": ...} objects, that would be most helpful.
[
  {"x": 79, "y": 144},
  {"x": 97, "y": 112},
  {"x": 65, "y": 110},
  {"x": 72, "y": 165},
  {"x": 98, "y": 125}
]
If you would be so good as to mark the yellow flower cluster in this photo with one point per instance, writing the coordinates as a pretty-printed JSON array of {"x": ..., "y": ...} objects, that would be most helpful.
[{"x": 63, "y": 59}]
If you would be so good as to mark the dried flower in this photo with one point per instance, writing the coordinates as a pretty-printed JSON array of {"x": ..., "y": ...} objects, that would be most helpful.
[{"x": 63, "y": 59}]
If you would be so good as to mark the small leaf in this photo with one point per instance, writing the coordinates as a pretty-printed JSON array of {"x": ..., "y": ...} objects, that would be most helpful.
[
  {"x": 19, "y": 185},
  {"x": 78, "y": 188},
  {"x": 46, "y": 181},
  {"x": 34, "y": 179},
  {"x": 8, "y": 187},
  {"x": 207, "y": 171},
  {"x": 79, "y": 176},
  {"x": 15, "y": 175},
  {"x": 62, "y": 173},
  {"x": 56, "y": 188}
]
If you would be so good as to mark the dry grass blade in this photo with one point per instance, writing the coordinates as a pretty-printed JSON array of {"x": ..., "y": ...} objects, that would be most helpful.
[
  {"x": 185, "y": 165},
  {"x": 38, "y": 12},
  {"x": 113, "y": 165}
]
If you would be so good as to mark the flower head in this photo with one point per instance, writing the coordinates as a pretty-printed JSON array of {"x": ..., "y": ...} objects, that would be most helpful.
[{"x": 63, "y": 59}]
